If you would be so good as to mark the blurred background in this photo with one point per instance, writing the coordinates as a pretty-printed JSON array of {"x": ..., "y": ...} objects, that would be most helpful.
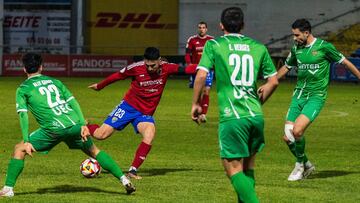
[{"x": 95, "y": 38}]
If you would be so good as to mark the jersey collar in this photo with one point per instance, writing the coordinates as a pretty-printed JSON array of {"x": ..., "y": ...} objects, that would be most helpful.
[
  {"x": 234, "y": 34},
  {"x": 312, "y": 43},
  {"x": 33, "y": 76}
]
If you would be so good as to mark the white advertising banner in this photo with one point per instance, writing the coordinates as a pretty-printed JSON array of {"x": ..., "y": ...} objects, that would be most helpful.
[{"x": 46, "y": 31}]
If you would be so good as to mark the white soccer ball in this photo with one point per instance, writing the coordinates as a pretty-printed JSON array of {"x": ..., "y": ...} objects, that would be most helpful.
[{"x": 90, "y": 168}]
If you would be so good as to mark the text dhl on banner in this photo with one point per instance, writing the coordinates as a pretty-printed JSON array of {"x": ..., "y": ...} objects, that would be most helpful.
[{"x": 127, "y": 27}]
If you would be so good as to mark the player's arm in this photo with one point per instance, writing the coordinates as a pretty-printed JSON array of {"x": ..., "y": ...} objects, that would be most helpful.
[
  {"x": 110, "y": 79},
  {"x": 24, "y": 125},
  {"x": 269, "y": 72},
  {"x": 266, "y": 90},
  {"x": 21, "y": 109},
  {"x": 351, "y": 67},
  {"x": 282, "y": 71},
  {"x": 198, "y": 87},
  {"x": 189, "y": 69},
  {"x": 188, "y": 52},
  {"x": 290, "y": 63}
]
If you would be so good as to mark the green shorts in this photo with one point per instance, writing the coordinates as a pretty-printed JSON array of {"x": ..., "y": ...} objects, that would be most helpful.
[
  {"x": 241, "y": 138},
  {"x": 309, "y": 106},
  {"x": 44, "y": 141}
]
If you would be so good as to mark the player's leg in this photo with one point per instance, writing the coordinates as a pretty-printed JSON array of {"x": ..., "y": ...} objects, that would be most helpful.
[
  {"x": 73, "y": 140},
  {"x": 15, "y": 168},
  {"x": 146, "y": 127},
  {"x": 205, "y": 99},
  {"x": 101, "y": 132},
  {"x": 249, "y": 168},
  {"x": 233, "y": 138},
  {"x": 118, "y": 119},
  {"x": 241, "y": 183},
  {"x": 41, "y": 142}
]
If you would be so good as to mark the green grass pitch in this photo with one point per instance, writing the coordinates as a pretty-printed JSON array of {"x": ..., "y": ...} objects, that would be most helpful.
[{"x": 184, "y": 164}]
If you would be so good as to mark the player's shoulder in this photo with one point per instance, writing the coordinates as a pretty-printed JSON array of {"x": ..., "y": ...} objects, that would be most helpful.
[
  {"x": 134, "y": 66},
  {"x": 323, "y": 43},
  {"x": 192, "y": 37},
  {"x": 253, "y": 42},
  {"x": 208, "y": 37}
]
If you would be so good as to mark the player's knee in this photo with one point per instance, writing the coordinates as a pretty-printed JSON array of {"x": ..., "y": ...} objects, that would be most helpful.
[
  {"x": 297, "y": 132},
  {"x": 289, "y": 133},
  {"x": 93, "y": 151},
  {"x": 100, "y": 134}
]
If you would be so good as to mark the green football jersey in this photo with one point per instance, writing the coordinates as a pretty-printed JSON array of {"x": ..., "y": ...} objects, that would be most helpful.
[
  {"x": 47, "y": 99},
  {"x": 238, "y": 60},
  {"x": 313, "y": 65}
]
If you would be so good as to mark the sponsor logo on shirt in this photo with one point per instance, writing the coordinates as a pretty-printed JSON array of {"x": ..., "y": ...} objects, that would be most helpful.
[
  {"x": 312, "y": 68},
  {"x": 151, "y": 82},
  {"x": 114, "y": 119},
  {"x": 227, "y": 112},
  {"x": 314, "y": 53}
]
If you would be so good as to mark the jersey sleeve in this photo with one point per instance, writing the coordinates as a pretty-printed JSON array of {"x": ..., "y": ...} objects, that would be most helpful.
[
  {"x": 21, "y": 105},
  {"x": 172, "y": 68},
  {"x": 332, "y": 54},
  {"x": 290, "y": 61},
  {"x": 267, "y": 65},
  {"x": 207, "y": 58}
]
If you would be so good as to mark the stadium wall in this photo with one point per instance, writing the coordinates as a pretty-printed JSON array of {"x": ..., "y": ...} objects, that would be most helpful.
[{"x": 268, "y": 21}]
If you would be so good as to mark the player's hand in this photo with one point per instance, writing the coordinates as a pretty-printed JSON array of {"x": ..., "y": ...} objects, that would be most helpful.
[
  {"x": 29, "y": 149},
  {"x": 84, "y": 133},
  {"x": 195, "y": 112},
  {"x": 94, "y": 87}
]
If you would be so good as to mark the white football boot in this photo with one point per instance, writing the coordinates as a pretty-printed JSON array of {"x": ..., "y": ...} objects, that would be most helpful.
[
  {"x": 297, "y": 173},
  {"x": 129, "y": 187},
  {"x": 309, "y": 168},
  {"x": 202, "y": 118},
  {"x": 6, "y": 192}
]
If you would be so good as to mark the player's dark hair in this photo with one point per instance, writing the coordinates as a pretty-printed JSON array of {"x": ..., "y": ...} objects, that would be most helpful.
[
  {"x": 152, "y": 53},
  {"x": 232, "y": 19},
  {"x": 32, "y": 62},
  {"x": 202, "y": 23},
  {"x": 302, "y": 24}
]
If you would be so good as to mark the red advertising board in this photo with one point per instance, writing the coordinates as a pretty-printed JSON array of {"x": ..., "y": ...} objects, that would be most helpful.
[{"x": 65, "y": 65}]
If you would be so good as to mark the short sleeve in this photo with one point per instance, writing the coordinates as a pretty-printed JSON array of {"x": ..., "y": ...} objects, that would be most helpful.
[
  {"x": 21, "y": 105},
  {"x": 290, "y": 61},
  {"x": 207, "y": 58},
  {"x": 332, "y": 54},
  {"x": 267, "y": 65}
]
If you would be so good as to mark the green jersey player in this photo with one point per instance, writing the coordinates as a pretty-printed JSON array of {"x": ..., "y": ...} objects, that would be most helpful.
[
  {"x": 238, "y": 61},
  {"x": 312, "y": 58},
  {"x": 60, "y": 119}
]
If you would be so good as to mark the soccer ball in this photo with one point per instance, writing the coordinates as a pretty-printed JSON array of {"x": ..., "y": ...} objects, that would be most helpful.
[{"x": 90, "y": 168}]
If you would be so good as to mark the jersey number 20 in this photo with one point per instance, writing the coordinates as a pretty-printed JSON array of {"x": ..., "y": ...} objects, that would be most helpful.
[{"x": 246, "y": 63}]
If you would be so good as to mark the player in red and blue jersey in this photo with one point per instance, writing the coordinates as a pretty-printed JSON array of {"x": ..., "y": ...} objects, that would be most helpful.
[
  {"x": 194, "y": 49},
  {"x": 139, "y": 104}
]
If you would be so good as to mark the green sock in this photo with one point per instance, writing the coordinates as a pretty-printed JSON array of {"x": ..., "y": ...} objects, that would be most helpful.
[
  {"x": 243, "y": 188},
  {"x": 15, "y": 167},
  {"x": 292, "y": 147},
  {"x": 300, "y": 150},
  {"x": 109, "y": 164},
  {"x": 250, "y": 173}
]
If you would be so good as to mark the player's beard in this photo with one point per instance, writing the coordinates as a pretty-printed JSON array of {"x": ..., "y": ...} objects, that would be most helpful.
[{"x": 301, "y": 43}]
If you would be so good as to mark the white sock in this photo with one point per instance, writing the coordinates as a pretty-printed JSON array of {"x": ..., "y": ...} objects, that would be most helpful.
[
  {"x": 124, "y": 180},
  {"x": 132, "y": 168},
  {"x": 8, "y": 188}
]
